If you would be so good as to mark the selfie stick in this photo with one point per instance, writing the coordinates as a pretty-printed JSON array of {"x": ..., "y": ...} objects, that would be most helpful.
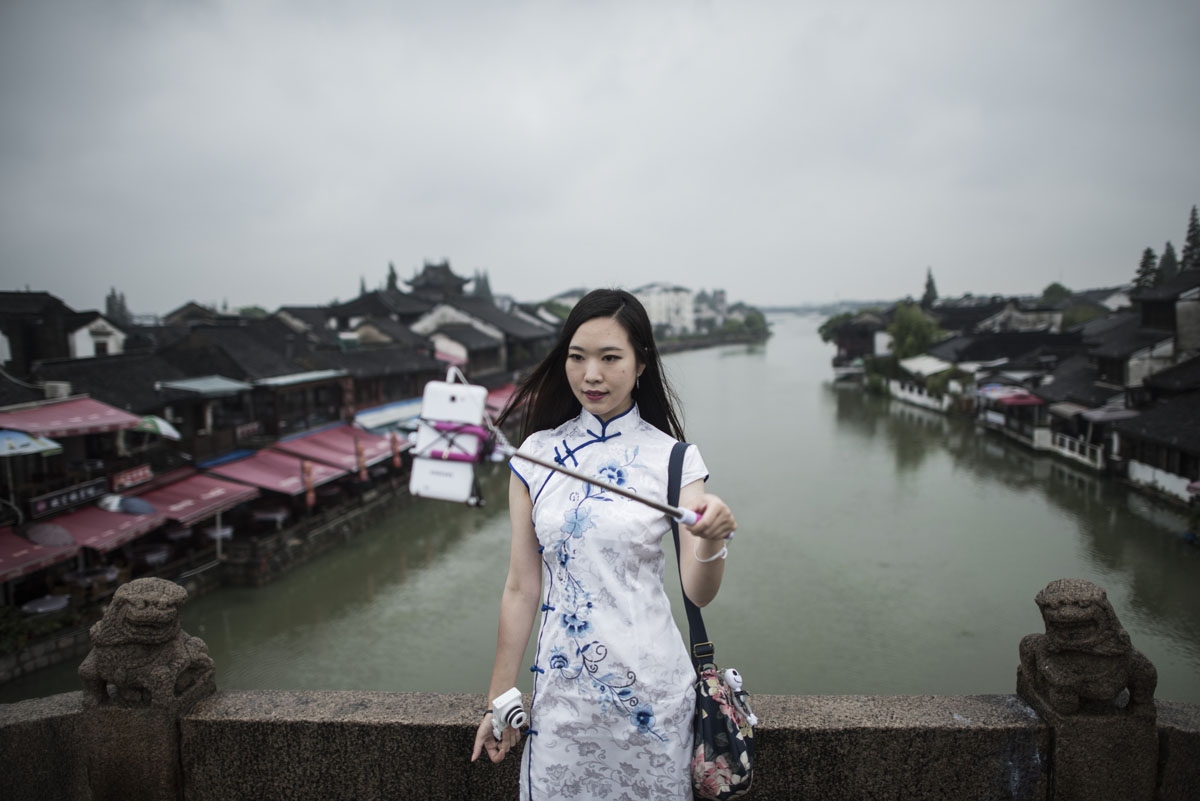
[{"x": 685, "y": 516}]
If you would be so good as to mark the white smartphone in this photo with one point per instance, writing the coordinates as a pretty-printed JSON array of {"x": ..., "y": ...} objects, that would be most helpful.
[{"x": 444, "y": 459}]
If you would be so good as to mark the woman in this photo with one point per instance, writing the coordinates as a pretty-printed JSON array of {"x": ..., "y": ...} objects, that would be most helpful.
[{"x": 612, "y": 681}]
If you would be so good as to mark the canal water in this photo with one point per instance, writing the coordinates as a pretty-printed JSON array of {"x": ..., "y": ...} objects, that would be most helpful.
[{"x": 881, "y": 549}]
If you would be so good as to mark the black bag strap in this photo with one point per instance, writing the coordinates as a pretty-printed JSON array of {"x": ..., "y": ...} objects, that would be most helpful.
[{"x": 701, "y": 649}]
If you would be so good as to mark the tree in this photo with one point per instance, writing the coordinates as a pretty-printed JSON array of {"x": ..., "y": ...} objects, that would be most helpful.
[
  {"x": 393, "y": 282},
  {"x": 1168, "y": 265},
  {"x": 254, "y": 312},
  {"x": 912, "y": 332},
  {"x": 829, "y": 328},
  {"x": 115, "y": 308},
  {"x": 362, "y": 286},
  {"x": 1056, "y": 294},
  {"x": 1147, "y": 272},
  {"x": 1191, "y": 244},
  {"x": 931, "y": 295}
]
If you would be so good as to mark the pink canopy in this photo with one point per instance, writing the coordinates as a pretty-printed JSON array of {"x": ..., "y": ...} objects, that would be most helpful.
[
  {"x": 336, "y": 446},
  {"x": 93, "y": 527},
  {"x": 67, "y": 418},
  {"x": 276, "y": 471},
  {"x": 197, "y": 497},
  {"x": 19, "y": 557}
]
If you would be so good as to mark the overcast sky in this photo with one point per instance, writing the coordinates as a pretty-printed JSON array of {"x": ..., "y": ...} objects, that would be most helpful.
[{"x": 274, "y": 153}]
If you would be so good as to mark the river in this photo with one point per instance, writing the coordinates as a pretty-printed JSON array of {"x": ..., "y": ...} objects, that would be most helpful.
[{"x": 881, "y": 550}]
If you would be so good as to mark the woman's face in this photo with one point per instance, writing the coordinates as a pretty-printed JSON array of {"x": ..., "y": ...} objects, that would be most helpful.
[{"x": 602, "y": 367}]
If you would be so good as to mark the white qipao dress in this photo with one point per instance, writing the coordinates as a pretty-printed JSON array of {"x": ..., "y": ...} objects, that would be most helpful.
[{"x": 612, "y": 688}]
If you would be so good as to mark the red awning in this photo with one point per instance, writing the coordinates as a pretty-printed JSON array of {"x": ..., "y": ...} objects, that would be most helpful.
[
  {"x": 499, "y": 397},
  {"x": 92, "y": 527},
  {"x": 68, "y": 418},
  {"x": 197, "y": 497},
  {"x": 276, "y": 471},
  {"x": 19, "y": 557},
  {"x": 336, "y": 446},
  {"x": 1019, "y": 400}
]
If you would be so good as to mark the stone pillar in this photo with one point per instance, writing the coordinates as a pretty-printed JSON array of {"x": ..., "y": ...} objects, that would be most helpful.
[
  {"x": 142, "y": 674},
  {"x": 1095, "y": 692}
]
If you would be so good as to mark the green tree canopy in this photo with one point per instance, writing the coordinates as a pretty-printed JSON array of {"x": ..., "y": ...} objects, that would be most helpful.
[
  {"x": 1168, "y": 264},
  {"x": 256, "y": 312},
  {"x": 1055, "y": 294},
  {"x": 912, "y": 332},
  {"x": 829, "y": 328},
  {"x": 393, "y": 281},
  {"x": 1147, "y": 272},
  {"x": 1191, "y": 245}
]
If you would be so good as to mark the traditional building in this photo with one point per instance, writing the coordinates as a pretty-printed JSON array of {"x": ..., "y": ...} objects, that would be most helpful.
[{"x": 671, "y": 308}]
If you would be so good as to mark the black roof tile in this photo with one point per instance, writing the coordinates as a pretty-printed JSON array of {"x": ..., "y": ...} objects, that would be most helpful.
[
  {"x": 1174, "y": 422},
  {"x": 1169, "y": 290},
  {"x": 125, "y": 380},
  {"x": 1183, "y": 377}
]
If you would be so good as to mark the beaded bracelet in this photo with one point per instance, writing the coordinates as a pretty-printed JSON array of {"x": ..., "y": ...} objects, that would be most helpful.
[{"x": 721, "y": 554}]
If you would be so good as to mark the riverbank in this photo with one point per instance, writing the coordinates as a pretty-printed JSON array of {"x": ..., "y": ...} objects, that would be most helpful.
[{"x": 252, "y": 559}]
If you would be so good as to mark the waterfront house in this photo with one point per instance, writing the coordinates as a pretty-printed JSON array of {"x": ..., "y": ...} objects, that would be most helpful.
[
  {"x": 289, "y": 392},
  {"x": 862, "y": 336},
  {"x": 38, "y": 325},
  {"x": 1160, "y": 447}
]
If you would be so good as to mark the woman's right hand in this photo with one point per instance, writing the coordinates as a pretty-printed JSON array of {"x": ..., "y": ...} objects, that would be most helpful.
[{"x": 486, "y": 740}]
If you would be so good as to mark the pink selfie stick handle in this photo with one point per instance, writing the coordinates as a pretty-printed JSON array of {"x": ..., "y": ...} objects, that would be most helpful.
[
  {"x": 688, "y": 517},
  {"x": 450, "y": 456}
]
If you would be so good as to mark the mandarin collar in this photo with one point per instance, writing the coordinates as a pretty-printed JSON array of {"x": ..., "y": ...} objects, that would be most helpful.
[{"x": 625, "y": 421}]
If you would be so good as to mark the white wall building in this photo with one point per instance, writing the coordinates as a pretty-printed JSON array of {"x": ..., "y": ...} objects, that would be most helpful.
[
  {"x": 669, "y": 305},
  {"x": 98, "y": 337}
]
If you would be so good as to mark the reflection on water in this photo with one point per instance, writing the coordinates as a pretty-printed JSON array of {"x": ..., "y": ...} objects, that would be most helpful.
[{"x": 881, "y": 549}]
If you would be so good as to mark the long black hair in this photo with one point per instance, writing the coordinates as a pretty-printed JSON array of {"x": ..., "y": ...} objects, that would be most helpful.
[{"x": 545, "y": 397}]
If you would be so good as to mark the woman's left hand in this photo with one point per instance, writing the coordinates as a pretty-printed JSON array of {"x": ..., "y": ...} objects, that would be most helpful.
[{"x": 716, "y": 519}]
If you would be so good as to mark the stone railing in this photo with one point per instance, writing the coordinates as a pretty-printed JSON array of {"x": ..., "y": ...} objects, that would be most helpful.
[{"x": 148, "y": 725}]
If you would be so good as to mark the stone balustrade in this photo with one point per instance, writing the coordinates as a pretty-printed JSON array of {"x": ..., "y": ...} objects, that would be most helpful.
[{"x": 150, "y": 726}]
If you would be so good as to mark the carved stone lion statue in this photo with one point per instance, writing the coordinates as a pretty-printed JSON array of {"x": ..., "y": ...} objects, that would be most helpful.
[
  {"x": 1084, "y": 661},
  {"x": 140, "y": 650}
]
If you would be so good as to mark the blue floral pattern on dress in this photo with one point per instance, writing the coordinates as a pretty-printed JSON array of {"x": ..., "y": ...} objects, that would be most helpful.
[
  {"x": 610, "y": 688},
  {"x": 612, "y": 697}
]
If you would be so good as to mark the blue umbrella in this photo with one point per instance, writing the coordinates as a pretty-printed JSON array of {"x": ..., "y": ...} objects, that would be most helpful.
[
  {"x": 18, "y": 443},
  {"x": 136, "y": 506}
]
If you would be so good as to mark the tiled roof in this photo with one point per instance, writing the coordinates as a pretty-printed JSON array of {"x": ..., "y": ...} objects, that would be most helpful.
[
  {"x": 1174, "y": 422},
  {"x": 381, "y": 303},
  {"x": 13, "y": 393},
  {"x": 988, "y": 347},
  {"x": 512, "y": 326},
  {"x": 1180, "y": 378},
  {"x": 153, "y": 337},
  {"x": 469, "y": 336},
  {"x": 1169, "y": 290},
  {"x": 1125, "y": 341},
  {"x": 376, "y": 362},
  {"x": 314, "y": 317},
  {"x": 31, "y": 303},
  {"x": 1074, "y": 380},
  {"x": 397, "y": 332},
  {"x": 125, "y": 380},
  {"x": 1093, "y": 331},
  {"x": 246, "y": 352},
  {"x": 965, "y": 318}
]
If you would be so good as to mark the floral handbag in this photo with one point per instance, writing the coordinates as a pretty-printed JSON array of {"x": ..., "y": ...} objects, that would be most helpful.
[{"x": 722, "y": 729}]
